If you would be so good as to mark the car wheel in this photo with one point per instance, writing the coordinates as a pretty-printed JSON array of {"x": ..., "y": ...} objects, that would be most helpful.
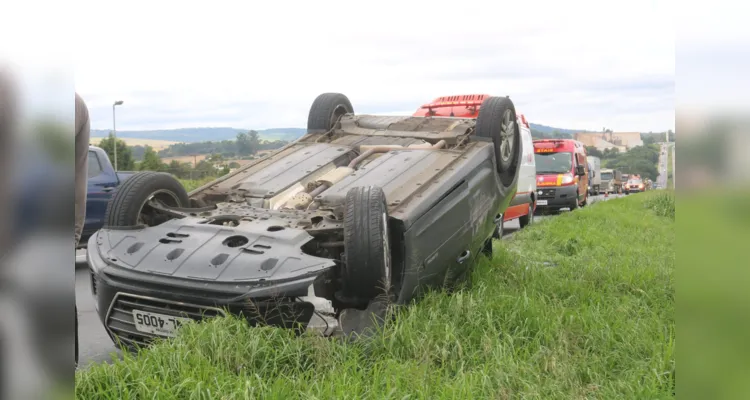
[
  {"x": 326, "y": 111},
  {"x": 527, "y": 219},
  {"x": 575, "y": 205},
  {"x": 367, "y": 267},
  {"x": 487, "y": 248},
  {"x": 497, "y": 121},
  {"x": 129, "y": 206}
]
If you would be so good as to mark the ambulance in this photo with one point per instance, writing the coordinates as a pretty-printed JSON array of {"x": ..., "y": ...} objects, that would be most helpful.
[{"x": 562, "y": 176}]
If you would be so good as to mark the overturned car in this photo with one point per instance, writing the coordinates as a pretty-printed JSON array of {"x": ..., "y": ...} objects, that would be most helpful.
[{"x": 363, "y": 211}]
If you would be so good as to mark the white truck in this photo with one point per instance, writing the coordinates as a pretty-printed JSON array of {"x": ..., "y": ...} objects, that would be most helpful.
[
  {"x": 611, "y": 181},
  {"x": 595, "y": 179}
]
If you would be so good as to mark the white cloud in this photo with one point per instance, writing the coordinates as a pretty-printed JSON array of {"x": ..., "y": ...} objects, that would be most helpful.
[{"x": 579, "y": 64}]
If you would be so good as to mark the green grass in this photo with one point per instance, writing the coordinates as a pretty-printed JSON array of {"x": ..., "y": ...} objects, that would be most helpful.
[
  {"x": 192, "y": 184},
  {"x": 662, "y": 203},
  {"x": 577, "y": 306}
]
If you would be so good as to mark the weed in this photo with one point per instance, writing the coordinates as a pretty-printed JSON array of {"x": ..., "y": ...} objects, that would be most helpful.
[{"x": 568, "y": 308}]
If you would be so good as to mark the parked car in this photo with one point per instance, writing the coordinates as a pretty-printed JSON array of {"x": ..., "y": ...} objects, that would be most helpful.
[
  {"x": 562, "y": 174},
  {"x": 523, "y": 205},
  {"x": 361, "y": 212},
  {"x": 102, "y": 183}
]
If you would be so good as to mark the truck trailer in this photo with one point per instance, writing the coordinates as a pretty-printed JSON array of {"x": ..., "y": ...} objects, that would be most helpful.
[{"x": 594, "y": 175}]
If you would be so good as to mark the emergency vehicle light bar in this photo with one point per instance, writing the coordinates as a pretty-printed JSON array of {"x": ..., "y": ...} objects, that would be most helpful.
[{"x": 556, "y": 142}]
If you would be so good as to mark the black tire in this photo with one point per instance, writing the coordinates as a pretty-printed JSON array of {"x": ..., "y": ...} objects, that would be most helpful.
[
  {"x": 125, "y": 206},
  {"x": 527, "y": 219},
  {"x": 326, "y": 110},
  {"x": 497, "y": 121},
  {"x": 575, "y": 205},
  {"x": 367, "y": 271},
  {"x": 487, "y": 248}
]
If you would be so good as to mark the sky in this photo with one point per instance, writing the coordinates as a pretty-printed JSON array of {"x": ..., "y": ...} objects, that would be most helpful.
[{"x": 255, "y": 65}]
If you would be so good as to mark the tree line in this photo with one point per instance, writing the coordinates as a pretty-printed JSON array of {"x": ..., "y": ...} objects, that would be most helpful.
[
  {"x": 218, "y": 155},
  {"x": 640, "y": 160},
  {"x": 535, "y": 134},
  {"x": 246, "y": 144}
]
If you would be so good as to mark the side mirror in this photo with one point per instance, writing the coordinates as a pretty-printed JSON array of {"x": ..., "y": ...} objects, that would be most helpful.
[{"x": 580, "y": 170}]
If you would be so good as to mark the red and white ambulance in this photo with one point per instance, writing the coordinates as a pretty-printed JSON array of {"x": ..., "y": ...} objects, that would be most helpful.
[{"x": 561, "y": 174}]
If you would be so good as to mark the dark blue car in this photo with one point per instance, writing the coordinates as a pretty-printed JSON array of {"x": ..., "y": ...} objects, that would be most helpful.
[{"x": 102, "y": 182}]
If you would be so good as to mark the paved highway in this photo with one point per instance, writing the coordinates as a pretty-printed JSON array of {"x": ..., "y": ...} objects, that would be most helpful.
[
  {"x": 662, "y": 179},
  {"x": 96, "y": 346}
]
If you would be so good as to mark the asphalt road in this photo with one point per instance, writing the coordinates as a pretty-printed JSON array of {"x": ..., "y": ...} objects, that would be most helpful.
[
  {"x": 96, "y": 346},
  {"x": 662, "y": 179}
]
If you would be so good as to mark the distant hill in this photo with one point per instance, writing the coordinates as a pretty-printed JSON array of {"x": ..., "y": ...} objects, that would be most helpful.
[
  {"x": 549, "y": 130},
  {"x": 191, "y": 135}
]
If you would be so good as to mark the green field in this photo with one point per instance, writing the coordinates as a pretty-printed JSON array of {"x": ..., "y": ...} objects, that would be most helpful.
[{"x": 577, "y": 306}]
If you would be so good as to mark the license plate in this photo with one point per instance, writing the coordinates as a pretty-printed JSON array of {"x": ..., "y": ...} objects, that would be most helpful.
[
  {"x": 541, "y": 202},
  {"x": 157, "y": 324}
]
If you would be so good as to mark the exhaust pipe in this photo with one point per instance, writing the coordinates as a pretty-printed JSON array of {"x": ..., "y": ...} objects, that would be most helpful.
[{"x": 370, "y": 150}]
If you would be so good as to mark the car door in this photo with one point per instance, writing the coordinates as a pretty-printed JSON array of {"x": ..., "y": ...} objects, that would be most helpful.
[{"x": 100, "y": 187}]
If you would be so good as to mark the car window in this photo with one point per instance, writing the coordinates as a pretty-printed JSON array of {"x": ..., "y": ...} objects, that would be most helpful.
[{"x": 95, "y": 168}]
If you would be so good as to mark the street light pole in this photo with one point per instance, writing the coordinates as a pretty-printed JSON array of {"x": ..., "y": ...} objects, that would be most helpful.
[{"x": 114, "y": 129}]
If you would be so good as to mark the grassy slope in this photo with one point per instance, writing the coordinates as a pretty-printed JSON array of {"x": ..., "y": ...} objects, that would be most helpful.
[{"x": 578, "y": 306}]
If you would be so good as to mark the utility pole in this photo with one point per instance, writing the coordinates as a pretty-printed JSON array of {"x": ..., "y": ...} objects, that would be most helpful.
[{"x": 114, "y": 129}]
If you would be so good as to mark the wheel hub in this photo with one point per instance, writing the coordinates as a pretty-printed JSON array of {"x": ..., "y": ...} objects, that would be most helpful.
[
  {"x": 507, "y": 137},
  {"x": 146, "y": 214}
]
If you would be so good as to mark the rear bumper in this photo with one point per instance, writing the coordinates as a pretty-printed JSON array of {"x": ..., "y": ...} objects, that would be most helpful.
[{"x": 556, "y": 197}]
